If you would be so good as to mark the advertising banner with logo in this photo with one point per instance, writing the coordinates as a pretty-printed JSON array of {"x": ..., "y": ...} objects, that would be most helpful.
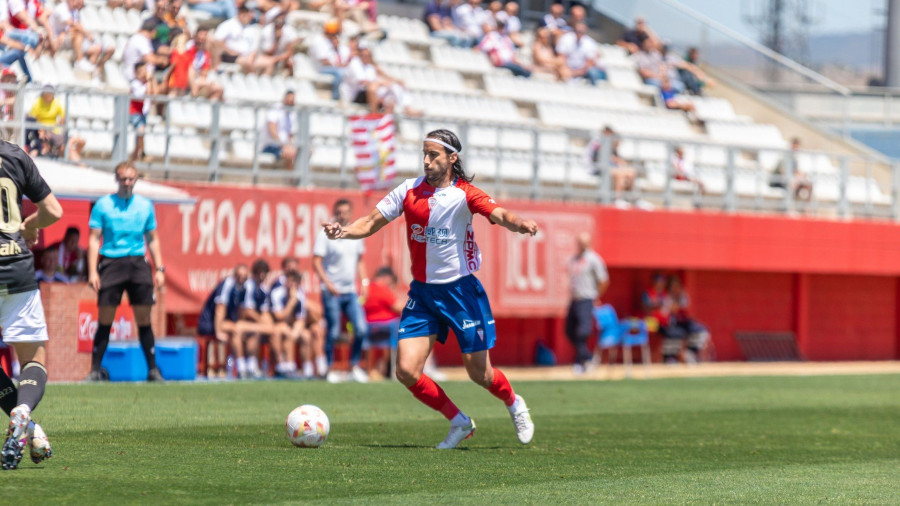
[
  {"x": 228, "y": 225},
  {"x": 124, "y": 327}
]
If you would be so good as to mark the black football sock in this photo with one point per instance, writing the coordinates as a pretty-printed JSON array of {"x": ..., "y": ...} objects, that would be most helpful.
[
  {"x": 32, "y": 382},
  {"x": 101, "y": 341},
  {"x": 7, "y": 393},
  {"x": 146, "y": 336}
]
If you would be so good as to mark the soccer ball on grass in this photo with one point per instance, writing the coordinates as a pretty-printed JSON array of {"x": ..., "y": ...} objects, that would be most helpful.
[{"x": 307, "y": 426}]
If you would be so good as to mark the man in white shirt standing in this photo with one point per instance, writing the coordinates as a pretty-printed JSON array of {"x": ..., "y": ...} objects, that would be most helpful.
[
  {"x": 278, "y": 134},
  {"x": 581, "y": 53},
  {"x": 337, "y": 263},
  {"x": 470, "y": 18}
]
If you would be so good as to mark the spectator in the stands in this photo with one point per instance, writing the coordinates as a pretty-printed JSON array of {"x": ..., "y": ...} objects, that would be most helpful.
[
  {"x": 692, "y": 75},
  {"x": 799, "y": 183},
  {"x": 12, "y": 51},
  {"x": 235, "y": 41},
  {"x": 544, "y": 57},
  {"x": 72, "y": 256},
  {"x": 633, "y": 39},
  {"x": 141, "y": 87},
  {"x": 279, "y": 43},
  {"x": 693, "y": 332},
  {"x": 672, "y": 99},
  {"x": 555, "y": 21},
  {"x": 331, "y": 55},
  {"x": 202, "y": 84},
  {"x": 512, "y": 25},
  {"x": 581, "y": 54},
  {"x": 501, "y": 50},
  {"x": 368, "y": 84},
  {"x": 222, "y": 9},
  {"x": 439, "y": 18},
  {"x": 181, "y": 61},
  {"x": 495, "y": 7},
  {"x": 49, "y": 271},
  {"x": 577, "y": 14},
  {"x": 49, "y": 113},
  {"x": 27, "y": 21},
  {"x": 621, "y": 173},
  {"x": 278, "y": 135},
  {"x": 650, "y": 63},
  {"x": 683, "y": 170},
  {"x": 470, "y": 17},
  {"x": 139, "y": 49},
  {"x": 8, "y": 93},
  {"x": 90, "y": 51}
]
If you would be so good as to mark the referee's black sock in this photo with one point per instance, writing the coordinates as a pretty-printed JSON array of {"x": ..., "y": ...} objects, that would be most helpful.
[
  {"x": 147, "y": 343},
  {"x": 32, "y": 382},
  {"x": 101, "y": 341},
  {"x": 7, "y": 393}
]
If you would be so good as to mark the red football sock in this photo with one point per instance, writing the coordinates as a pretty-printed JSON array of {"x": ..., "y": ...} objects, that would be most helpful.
[
  {"x": 501, "y": 388},
  {"x": 430, "y": 394}
]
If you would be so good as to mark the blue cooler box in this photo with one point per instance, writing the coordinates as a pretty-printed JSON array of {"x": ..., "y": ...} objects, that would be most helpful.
[
  {"x": 125, "y": 361},
  {"x": 177, "y": 358}
]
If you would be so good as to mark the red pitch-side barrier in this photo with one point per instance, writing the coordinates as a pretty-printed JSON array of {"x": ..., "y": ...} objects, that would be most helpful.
[{"x": 835, "y": 284}]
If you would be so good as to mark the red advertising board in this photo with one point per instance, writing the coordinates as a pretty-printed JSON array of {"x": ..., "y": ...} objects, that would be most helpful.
[
  {"x": 124, "y": 327},
  {"x": 227, "y": 225}
]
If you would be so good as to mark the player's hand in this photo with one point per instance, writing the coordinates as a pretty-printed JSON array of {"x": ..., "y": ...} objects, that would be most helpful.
[
  {"x": 364, "y": 292},
  {"x": 333, "y": 230},
  {"x": 94, "y": 281},
  {"x": 30, "y": 235},
  {"x": 330, "y": 287},
  {"x": 160, "y": 278},
  {"x": 528, "y": 227}
]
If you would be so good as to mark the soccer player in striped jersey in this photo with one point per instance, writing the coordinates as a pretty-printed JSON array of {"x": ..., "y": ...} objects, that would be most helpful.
[{"x": 444, "y": 294}]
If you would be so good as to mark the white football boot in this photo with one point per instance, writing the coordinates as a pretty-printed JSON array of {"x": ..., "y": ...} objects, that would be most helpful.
[
  {"x": 522, "y": 421},
  {"x": 456, "y": 434},
  {"x": 11, "y": 453}
]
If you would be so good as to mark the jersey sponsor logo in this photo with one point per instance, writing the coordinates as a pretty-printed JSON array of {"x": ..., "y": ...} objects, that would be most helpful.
[
  {"x": 470, "y": 249},
  {"x": 10, "y": 248},
  {"x": 467, "y": 324},
  {"x": 429, "y": 235},
  {"x": 410, "y": 304}
]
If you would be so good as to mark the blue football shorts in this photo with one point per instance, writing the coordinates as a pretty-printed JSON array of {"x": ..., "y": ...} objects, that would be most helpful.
[{"x": 461, "y": 305}]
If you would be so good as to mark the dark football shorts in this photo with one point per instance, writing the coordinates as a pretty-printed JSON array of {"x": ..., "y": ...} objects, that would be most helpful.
[{"x": 125, "y": 274}]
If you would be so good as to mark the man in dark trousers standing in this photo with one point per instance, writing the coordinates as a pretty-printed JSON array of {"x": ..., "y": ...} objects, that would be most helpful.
[
  {"x": 589, "y": 280},
  {"x": 126, "y": 224}
]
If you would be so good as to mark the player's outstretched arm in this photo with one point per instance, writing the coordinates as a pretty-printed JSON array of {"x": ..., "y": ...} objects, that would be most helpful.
[
  {"x": 49, "y": 211},
  {"x": 359, "y": 229},
  {"x": 513, "y": 222}
]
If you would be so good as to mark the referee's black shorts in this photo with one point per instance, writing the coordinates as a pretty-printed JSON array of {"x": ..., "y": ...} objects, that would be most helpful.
[{"x": 125, "y": 274}]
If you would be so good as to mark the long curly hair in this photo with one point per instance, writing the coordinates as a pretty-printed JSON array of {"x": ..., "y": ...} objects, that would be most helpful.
[{"x": 451, "y": 139}]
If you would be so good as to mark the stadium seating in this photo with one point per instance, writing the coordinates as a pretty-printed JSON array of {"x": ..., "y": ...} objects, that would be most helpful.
[{"x": 514, "y": 128}]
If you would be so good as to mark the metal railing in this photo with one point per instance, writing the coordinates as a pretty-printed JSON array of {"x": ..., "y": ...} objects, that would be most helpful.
[{"x": 736, "y": 177}]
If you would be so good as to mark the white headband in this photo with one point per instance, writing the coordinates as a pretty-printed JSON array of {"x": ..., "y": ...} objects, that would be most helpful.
[{"x": 442, "y": 143}]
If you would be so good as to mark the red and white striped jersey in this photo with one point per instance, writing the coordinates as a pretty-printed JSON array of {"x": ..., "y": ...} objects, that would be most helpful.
[{"x": 439, "y": 227}]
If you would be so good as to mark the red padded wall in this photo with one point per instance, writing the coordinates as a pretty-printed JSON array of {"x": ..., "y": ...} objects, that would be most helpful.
[{"x": 852, "y": 318}]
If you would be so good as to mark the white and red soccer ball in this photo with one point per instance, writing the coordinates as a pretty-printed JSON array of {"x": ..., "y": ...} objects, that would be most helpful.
[{"x": 307, "y": 426}]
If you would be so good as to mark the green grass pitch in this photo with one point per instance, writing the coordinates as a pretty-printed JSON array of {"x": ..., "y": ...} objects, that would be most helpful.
[{"x": 706, "y": 440}]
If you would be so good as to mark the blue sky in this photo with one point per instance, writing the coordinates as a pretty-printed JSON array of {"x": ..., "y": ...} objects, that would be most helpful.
[{"x": 836, "y": 16}]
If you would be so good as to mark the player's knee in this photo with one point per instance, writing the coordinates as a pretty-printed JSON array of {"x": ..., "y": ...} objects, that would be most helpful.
[
  {"x": 407, "y": 376},
  {"x": 480, "y": 376}
]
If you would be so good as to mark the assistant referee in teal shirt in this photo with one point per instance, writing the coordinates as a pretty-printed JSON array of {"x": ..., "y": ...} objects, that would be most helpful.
[{"x": 126, "y": 224}]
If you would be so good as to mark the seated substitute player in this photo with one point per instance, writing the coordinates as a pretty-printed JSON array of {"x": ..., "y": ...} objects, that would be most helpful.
[
  {"x": 220, "y": 314},
  {"x": 255, "y": 321},
  {"x": 444, "y": 293},
  {"x": 21, "y": 311},
  {"x": 288, "y": 305}
]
